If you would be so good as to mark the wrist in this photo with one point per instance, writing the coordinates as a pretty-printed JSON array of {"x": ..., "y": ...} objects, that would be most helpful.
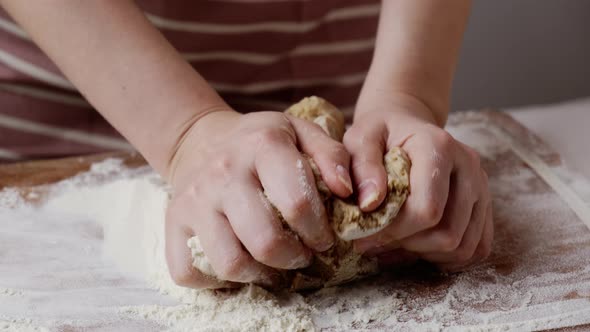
[
  {"x": 390, "y": 100},
  {"x": 408, "y": 87},
  {"x": 194, "y": 134}
]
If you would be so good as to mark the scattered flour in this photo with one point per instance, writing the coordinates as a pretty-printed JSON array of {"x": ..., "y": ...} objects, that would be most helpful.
[
  {"x": 537, "y": 278},
  {"x": 248, "y": 309},
  {"x": 20, "y": 325},
  {"x": 10, "y": 292},
  {"x": 200, "y": 261},
  {"x": 10, "y": 198},
  {"x": 131, "y": 211}
]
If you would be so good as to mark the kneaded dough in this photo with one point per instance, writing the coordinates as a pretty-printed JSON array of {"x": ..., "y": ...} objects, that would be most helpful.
[{"x": 340, "y": 264}]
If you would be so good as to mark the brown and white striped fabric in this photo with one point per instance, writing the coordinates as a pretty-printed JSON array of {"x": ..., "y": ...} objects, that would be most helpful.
[{"x": 258, "y": 54}]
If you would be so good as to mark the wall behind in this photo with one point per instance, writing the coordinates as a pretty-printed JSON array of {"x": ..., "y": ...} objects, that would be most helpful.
[{"x": 524, "y": 52}]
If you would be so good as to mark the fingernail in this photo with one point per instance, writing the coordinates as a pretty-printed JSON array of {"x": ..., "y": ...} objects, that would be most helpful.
[
  {"x": 368, "y": 193},
  {"x": 325, "y": 246},
  {"x": 344, "y": 177}
]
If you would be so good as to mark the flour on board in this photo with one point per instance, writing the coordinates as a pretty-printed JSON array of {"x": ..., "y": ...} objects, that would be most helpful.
[{"x": 57, "y": 281}]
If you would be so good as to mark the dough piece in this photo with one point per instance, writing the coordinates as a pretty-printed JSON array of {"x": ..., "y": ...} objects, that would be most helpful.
[
  {"x": 200, "y": 261},
  {"x": 340, "y": 264},
  {"x": 350, "y": 223},
  {"x": 322, "y": 113}
]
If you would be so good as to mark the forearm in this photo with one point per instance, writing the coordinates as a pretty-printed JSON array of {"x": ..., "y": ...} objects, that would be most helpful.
[
  {"x": 416, "y": 52},
  {"x": 124, "y": 67}
]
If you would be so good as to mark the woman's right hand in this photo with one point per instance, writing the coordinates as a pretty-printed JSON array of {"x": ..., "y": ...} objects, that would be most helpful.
[{"x": 226, "y": 172}]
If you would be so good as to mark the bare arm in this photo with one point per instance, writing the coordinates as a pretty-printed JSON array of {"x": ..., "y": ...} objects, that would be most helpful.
[
  {"x": 222, "y": 162},
  {"x": 447, "y": 218},
  {"x": 124, "y": 67},
  {"x": 416, "y": 52}
]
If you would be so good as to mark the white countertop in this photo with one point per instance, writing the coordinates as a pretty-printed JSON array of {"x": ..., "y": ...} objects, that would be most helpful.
[{"x": 565, "y": 127}]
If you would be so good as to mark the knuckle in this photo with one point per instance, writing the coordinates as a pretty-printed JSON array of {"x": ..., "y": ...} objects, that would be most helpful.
[
  {"x": 296, "y": 207},
  {"x": 231, "y": 268},
  {"x": 270, "y": 136},
  {"x": 484, "y": 250},
  {"x": 444, "y": 142},
  {"x": 266, "y": 248},
  {"x": 468, "y": 193},
  {"x": 184, "y": 197},
  {"x": 463, "y": 253},
  {"x": 448, "y": 241},
  {"x": 338, "y": 151},
  {"x": 429, "y": 214},
  {"x": 222, "y": 166},
  {"x": 353, "y": 138}
]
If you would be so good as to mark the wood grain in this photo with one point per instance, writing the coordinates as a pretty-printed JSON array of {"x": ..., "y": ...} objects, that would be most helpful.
[{"x": 35, "y": 173}]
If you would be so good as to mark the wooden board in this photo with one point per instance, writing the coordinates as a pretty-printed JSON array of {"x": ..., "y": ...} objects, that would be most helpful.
[
  {"x": 35, "y": 173},
  {"x": 532, "y": 240}
]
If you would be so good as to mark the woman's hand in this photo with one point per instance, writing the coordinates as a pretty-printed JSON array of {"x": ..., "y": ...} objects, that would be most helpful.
[
  {"x": 447, "y": 218},
  {"x": 228, "y": 170}
]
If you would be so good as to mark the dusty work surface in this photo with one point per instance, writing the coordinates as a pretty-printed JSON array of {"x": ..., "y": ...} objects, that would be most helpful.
[
  {"x": 53, "y": 276},
  {"x": 563, "y": 126}
]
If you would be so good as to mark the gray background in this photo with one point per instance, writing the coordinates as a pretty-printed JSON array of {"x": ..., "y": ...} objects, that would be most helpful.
[{"x": 518, "y": 52}]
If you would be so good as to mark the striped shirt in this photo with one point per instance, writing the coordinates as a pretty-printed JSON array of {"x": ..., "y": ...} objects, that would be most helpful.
[{"x": 257, "y": 54}]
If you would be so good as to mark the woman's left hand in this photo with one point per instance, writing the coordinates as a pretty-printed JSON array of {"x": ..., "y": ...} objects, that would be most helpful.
[{"x": 447, "y": 218}]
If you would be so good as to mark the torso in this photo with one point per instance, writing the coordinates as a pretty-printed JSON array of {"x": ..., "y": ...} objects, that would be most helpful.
[{"x": 257, "y": 54}]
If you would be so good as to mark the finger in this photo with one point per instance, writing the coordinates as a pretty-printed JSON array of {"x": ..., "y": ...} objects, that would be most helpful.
[
  {"x": 223, "y": 250},
  {"x": 257, "y": 226},
  {"x": 226, "y": 255},
  {"x": 180, "y": 260},
  {"x": 330, "y": 156},
  {"x": 471, "y": 238},
  {"x": 289, "y": 184},
  {"x": 481, "y": 250},
  {"x": 458, "y": 213},
  {"x": 484, "y": 248},
  {"x": 367, "y": 148},
  {"x": 429, "y": 183}
]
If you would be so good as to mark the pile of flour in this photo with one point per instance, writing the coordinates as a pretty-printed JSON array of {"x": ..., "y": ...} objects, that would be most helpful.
[{"x": 131, "y": 210}]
